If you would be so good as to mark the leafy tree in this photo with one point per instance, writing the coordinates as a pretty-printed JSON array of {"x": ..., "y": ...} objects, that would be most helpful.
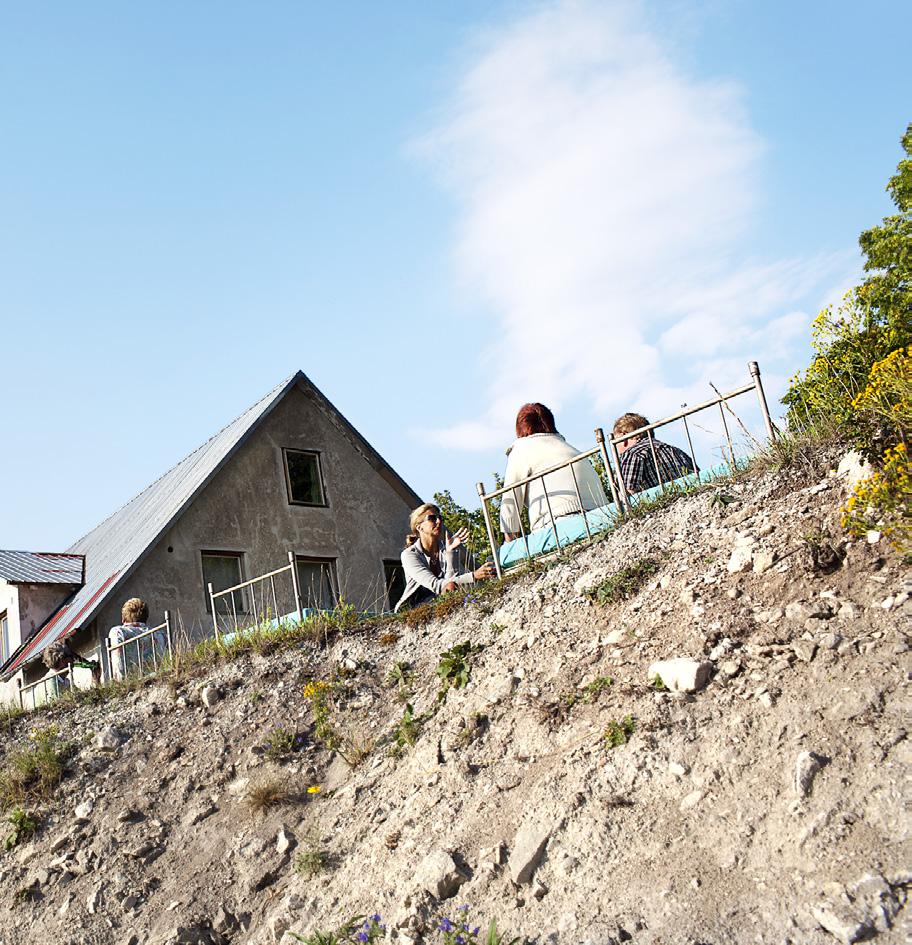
[
  {"x": 873, "y": 320},
  {"x": 456, "y": 516},
  {"x": 888, "y": 248}
]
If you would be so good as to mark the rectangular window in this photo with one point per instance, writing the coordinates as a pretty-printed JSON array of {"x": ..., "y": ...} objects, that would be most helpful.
[
  {"x": 222, "y": 569},
  {"x": 394, "y": 576},
  {"x": 4, "y": 638},
  {"x": 304, "y": 477},
  {"x": 317, "y": 583}
]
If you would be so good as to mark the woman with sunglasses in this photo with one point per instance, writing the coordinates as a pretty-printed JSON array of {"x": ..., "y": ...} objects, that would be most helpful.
[{"x": 429, "y": 561}]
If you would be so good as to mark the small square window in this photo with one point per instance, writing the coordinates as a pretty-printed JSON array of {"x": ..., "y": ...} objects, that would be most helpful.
[
  {"x": 394, "y": 575},
  {"x": 315, "y": 580},
  {"x": 303, "y": 477},
  {"x": 222, "y": 569}
]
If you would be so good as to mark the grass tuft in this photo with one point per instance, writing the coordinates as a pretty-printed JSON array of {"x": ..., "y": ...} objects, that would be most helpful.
[
  {"x": 625, "y": 583},
  {"x": 268, "y": 793}
]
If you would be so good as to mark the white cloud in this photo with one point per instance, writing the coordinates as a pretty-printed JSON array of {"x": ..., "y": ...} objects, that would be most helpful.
[{"x": 602, "y": 192}]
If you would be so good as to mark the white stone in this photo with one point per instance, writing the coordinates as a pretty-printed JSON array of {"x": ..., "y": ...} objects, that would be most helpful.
[
  {"x": 853, "y": 468},
  {"x": 84, "y": 811},
  {"x": 872, "y": 536},
  {"x": 763, "y": 561},
  {"x": 841, "y": 923},
  {"x": 681, "y": 674},
  {"x": 284, "y": 840},
  {"x": 439, "y": 875},
  {"x": 108, "y": 739},
  {"x": 210, "y": 695},
  {"x": 741, "y": 559},
  {"x": 691, "y": 800},
  {"x": 528, "y": 849}
]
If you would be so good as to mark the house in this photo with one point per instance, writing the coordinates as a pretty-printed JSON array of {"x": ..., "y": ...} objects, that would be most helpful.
[{"x": 291, "y": 474}]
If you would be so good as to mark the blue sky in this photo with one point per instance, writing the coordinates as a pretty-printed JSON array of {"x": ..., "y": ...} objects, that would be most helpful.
[{"x": 437, "y": 211}]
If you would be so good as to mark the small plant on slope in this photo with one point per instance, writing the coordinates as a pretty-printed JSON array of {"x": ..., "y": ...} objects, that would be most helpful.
[
  {"x": 23, "y": 824},
  {"x": 618, "y": 733},
  {"x": 625, "y": 583},
  {"x": 455, "y": 666}
]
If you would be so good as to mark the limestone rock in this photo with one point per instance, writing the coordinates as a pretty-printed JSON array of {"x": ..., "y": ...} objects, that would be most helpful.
[
  {"x": 528, "y": 849},
  {"x": 681, "y": 674},
  {"x": 439, "y": 875},
  {"x": 741, "y": 559},
  {"x": 852, "y": 468},
  {"x": 763, "y": 561},
  {"x": 285, "y": 840},
  {"x": 210, "y": 696},
  {"x": 108, "y": 739},
  {"x": 83, "y": 811}
]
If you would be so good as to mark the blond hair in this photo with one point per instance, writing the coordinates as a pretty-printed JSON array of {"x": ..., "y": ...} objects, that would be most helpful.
[
  {"x": 415, "y": 521},
  {"x": 628, "y": 423},
  {"x": 134, "y": 611}
]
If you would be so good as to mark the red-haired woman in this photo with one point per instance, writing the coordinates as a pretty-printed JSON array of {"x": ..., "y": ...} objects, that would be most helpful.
[{"x": 539, "y": 446}]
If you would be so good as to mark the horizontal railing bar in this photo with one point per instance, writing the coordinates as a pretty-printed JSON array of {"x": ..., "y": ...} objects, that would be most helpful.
[
  {"x": 262, "y": 577},
  {"x": 683, "y": 413},
  {"x": 139, "y": 636},
  {"x": 45, "y": 679},
  {"x": 545, "y": 472}
]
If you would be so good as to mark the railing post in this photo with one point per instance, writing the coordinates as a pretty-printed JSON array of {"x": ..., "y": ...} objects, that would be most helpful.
[
  {"x": 294, "y": 584},
  {"x": 168, "y": 636},
  {"x": 754, "y": 369},
  {"x": 622, "y": 488},
  {"x": 600, "y": 439},
  {"x": 489, "y": 528},
  {"x": 214, "y": 615}
]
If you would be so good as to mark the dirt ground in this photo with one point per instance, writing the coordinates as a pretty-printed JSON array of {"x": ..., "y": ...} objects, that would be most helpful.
[{"x": 561, "y": 791}]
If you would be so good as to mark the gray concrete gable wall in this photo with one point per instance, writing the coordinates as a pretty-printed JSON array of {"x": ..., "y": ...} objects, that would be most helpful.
[{"x": 245, "y": 509}]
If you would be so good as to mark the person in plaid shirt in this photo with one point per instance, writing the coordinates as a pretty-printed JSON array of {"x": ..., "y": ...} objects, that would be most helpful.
[{"x": 638, "y": 468}]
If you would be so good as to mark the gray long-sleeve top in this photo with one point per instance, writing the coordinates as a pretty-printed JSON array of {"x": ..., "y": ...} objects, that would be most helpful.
[{"x": 417, "y": 566}]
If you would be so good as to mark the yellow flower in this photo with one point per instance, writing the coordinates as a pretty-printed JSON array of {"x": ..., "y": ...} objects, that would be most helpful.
[{"x": 314, "y": 789}]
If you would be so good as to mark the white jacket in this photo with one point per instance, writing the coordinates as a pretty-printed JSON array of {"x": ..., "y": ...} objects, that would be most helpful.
[{"x": 528, "y": 455}]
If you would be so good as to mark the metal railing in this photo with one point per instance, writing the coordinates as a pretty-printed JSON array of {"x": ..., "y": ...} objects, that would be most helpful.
[
  {"x": 521, "y": 484},
  {"x": 720, "y": 400},
  {"x": 125, "y": 666},
  {"x": 47, "y": 680},
  {"x": 252, "y": 584},
  {"x": 620, "y": 496}
]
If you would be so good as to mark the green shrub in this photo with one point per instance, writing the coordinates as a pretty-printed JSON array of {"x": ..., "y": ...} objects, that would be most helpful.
[
  {"x": 618, "y": 733},
  {"x": 455, "y": 666},
  {"x": 23, "y": 824}
]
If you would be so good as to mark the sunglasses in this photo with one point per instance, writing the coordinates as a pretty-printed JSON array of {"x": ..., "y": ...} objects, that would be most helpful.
[{"x": 432, "y": 518}]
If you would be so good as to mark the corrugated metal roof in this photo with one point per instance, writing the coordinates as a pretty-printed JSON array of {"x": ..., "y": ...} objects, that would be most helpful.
[
  {"x": 114, "y": 548},
  {"x": 39, "y": 567}
]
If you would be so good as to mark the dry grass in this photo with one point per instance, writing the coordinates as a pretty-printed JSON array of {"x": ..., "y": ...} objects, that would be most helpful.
[
  {"x": 31, "y": 775},
  {"x": 268, "y": 793}
]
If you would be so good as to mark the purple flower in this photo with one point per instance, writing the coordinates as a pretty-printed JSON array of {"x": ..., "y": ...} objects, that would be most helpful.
[
  {"x": 460, "y": 940},
  {"x": 363, "y": 937},
  {"x": 376, "y": 917},
  {"x": 446, "y": 925},
  {"x": 464, "y": 907},
  {"x": 476, "y": 930}
]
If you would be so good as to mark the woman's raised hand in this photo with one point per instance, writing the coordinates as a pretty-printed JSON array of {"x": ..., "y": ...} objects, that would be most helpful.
[{"x": 454, "y": 541}]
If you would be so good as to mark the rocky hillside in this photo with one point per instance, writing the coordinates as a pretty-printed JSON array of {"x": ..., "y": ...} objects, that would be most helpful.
[{"x": 757, "y": 793}]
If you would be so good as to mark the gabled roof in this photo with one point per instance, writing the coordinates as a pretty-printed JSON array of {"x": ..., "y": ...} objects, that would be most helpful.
[
  {"x": 40, "y": 567},
  {"x": 115, "y": 548}
]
